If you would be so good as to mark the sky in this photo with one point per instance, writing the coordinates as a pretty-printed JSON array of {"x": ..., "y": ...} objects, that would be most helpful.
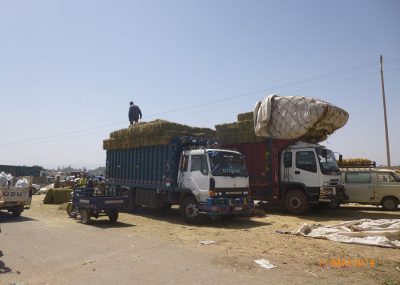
[{"x": 68, "y": 69}]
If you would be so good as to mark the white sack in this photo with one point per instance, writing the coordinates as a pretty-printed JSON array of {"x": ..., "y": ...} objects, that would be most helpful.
[
  {"x": 22, "y": 183},
  {"x": 295, "y": 117},
  {"x": 383, "y": 232},
  {"x": 3, "y": 180}
]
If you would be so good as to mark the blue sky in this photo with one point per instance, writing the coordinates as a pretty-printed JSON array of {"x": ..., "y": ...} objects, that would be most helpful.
[{"x": 68, "y": 69}]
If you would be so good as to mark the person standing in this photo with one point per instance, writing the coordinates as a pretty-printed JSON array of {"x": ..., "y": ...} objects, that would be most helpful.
[{"x": 134, "y": 113}]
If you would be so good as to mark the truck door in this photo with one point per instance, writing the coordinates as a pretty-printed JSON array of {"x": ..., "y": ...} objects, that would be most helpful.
[
  {"x": 194, "y": 175},
  {"x": 386, "y": 185},
  {"x": 359, "y": 186},
  {"x": 305, "y": 169}
]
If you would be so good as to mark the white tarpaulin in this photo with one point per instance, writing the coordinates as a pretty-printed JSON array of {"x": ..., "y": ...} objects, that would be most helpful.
[
  {"x": 383, "y": 232},
  {"x": 295, "y": 117}
]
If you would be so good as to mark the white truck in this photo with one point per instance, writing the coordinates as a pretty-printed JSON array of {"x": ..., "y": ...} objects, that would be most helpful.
[
  {"x": 15, "y": 199},
  {"x": 372, "y": 186},
  {"x": 185, "y": 172},
  {"x": 293, "y": 174}
]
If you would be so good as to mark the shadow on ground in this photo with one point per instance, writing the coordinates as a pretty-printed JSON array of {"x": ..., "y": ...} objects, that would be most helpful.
[
  {"x": 104, "y": 223},
  {"x": 6, "y": 217},
  {"x": 3, "y": 267},
  {"x": 173, "y": 216},
  {"x": 345, "y": 213}
]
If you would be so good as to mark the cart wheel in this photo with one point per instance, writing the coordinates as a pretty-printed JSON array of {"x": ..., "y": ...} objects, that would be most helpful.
[
  {"x": 113, "y": 216},
  {"x": 85, "y": 216},
  {"x": 70, "y": 210}
]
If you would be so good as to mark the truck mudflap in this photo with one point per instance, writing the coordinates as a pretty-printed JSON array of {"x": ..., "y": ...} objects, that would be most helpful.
[{"x": 228, "y": 206}]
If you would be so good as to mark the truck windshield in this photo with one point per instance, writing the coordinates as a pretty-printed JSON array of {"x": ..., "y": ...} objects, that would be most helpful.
[
  {"x": 225, "y": 163},
  {"x": 327, "y": 161}
]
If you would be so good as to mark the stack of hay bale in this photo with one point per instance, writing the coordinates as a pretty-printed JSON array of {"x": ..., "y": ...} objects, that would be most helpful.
[
  {"x": 158, "y": 132},
  {"x": 241, "y": 131}
]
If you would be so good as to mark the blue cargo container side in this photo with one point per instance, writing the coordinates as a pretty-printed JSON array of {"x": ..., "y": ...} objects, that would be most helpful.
[{"x": 147, "y": 167}]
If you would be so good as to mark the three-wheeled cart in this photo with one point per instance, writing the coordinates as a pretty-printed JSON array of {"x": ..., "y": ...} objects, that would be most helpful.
[{"x": 86, "y": 204}]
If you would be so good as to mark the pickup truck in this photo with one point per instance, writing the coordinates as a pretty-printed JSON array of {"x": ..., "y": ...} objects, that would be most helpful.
[
  {"x": 16, "y": 199},
  {"x": 372, "y": 186}
]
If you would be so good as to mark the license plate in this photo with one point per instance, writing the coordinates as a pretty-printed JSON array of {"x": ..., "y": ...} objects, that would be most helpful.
[{"x": 238, "y": 208}]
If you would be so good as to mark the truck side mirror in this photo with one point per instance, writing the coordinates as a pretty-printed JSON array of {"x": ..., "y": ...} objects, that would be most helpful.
[{"x": 287, "y": 159}]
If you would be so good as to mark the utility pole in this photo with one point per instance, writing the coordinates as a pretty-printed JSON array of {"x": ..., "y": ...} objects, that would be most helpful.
[{"x": 384, "y": 113}]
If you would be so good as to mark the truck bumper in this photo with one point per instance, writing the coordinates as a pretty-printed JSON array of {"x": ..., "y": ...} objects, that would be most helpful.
[
  {"x": 228, "y": 206},
  {"x": 329, "y": 194}
]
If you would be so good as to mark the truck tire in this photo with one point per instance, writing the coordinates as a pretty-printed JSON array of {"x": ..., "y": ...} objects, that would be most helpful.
[
  {"x": 190, "y": 210},
  {"x": 16, "y": 212},
  {"x": 113, "y": 216},
  {"x": 390, "y": 204},
  {"x": 296, "y": 202},
  {"x": 85, "y": 216}
]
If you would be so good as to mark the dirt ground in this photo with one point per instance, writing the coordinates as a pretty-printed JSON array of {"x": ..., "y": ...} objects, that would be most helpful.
[{"x": 243, "y": 240}]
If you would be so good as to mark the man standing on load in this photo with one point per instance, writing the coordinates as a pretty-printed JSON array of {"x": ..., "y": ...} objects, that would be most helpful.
[{"x": 134, "y": 113}]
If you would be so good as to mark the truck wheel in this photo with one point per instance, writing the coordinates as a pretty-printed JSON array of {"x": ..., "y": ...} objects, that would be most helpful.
[
  {"x": 390, "y": 204},
  {"x": 85, "y": 216},
  {"x": 190, "y": 210},
  {"x": 113, "y": 216},
  {"x": 296, "y": 202},
  {"x": 16, "y": 213}
]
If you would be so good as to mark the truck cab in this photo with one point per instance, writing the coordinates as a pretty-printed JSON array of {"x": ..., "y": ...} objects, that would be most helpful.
[
  {"x": 310, "y": 172},
  {"x": 218, "y": 181}
]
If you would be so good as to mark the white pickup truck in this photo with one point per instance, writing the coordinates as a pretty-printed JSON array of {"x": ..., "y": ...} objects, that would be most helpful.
[
  {"x": 16, "y": 199},
  {"x": 373, "y": 186}
]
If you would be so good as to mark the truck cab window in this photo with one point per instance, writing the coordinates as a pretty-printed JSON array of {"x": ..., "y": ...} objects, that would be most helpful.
[
  {"x": 358, "y": 177},
  {"x": 305, "y": 160},
  {"x": 199, "y": 163},
  {"x": 386, "y": 177}
]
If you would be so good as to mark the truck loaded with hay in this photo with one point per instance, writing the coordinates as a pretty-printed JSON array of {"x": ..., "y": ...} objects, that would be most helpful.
[
  {"x": 279, "y": 141},
  {"x": 161, "y": 164}
]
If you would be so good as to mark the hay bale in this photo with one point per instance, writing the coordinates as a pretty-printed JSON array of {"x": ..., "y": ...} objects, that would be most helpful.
[
  {"x": 157, "y": 132},
  {"x": 57, "y": 196},
  {"x": 245, "y": 117},
  {"x": 239, "y": 132}
]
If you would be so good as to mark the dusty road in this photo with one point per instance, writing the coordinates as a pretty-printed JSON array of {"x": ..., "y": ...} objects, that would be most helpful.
[{"x": 44, "y": 246}]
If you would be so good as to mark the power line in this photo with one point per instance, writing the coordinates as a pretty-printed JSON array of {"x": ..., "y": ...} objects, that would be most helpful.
[{"x": 83, "y": 132}]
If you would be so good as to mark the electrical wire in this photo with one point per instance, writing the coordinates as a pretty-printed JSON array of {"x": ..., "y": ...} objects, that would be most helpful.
[{"x": 83, "y": 132}]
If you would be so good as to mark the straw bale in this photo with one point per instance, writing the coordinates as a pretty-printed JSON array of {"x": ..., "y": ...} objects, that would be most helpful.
[
  {"x": 355, "y": 161},
  {"x": 238, "y": 132},
  {"x": 245, "y": 117},
  {"x": 158, "y": 132}
]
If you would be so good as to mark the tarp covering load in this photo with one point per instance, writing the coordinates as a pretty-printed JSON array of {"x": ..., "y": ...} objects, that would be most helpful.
[
  {"x": 382, "y": 232},
  {"x": 238, "y": 132},
  {"x": 158, "y": 132},
  {"x": 295, "y": 117}
]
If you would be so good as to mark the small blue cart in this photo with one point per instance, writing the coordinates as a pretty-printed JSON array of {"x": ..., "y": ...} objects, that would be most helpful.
[{"x": 86, "y": 205}]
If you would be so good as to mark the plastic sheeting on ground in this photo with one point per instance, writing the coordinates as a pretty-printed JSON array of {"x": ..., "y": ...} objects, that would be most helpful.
[
  {"x": 382, "y": 232},
  {"x": 297, "y": 117}
]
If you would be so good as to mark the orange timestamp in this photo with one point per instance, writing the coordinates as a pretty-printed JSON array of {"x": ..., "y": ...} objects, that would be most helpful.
[{"x": 348, "y": 262}]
